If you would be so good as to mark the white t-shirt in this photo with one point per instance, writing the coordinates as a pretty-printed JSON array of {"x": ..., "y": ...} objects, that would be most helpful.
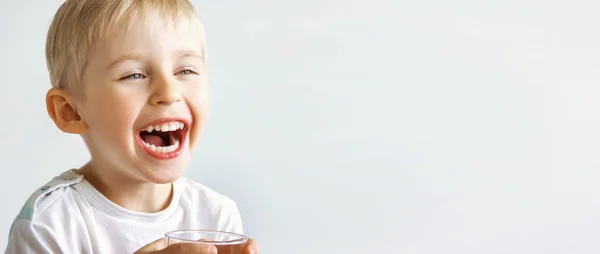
[{"x": 68, "y": 215}]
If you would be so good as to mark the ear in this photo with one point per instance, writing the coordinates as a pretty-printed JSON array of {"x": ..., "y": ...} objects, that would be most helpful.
[{"x": 63, "y": 111}]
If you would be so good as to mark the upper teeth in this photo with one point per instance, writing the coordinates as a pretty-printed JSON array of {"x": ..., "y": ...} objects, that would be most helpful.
[{"x": 166, "y": 127}]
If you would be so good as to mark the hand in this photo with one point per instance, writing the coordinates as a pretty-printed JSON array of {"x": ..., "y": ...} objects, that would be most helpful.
[
  {"x": 251, "y": 247},
  {"x": 159, "y": 247}
]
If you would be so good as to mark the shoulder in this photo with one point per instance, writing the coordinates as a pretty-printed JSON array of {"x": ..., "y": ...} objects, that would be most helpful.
[
  {"x": 49, "y": 208},
  {"x": 51, "y": 193},
  {"x": 214, "y": 206}
]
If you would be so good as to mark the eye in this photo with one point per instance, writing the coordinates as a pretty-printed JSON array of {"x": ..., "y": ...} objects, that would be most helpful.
[
  {"x": 187, "y": 72},
  {"x": 134, "y": 76}
]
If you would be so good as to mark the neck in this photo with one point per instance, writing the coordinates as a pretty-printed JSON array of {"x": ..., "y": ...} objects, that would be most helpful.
[{"x": 125, "y": 191}]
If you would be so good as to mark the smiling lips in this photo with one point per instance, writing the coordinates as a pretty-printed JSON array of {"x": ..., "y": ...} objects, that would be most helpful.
[{"x": 164, "y": 138}]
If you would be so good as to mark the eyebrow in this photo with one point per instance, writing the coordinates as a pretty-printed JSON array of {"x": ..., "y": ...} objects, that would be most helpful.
[
  {"x": 189, "y": 53},
  {"x": 139, "y": 57},
  {"x": 133, "y": 57}
]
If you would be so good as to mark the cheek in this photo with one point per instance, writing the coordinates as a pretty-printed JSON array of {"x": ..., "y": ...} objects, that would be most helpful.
[
  {"x": 197, "y": 97},
  {"x": 111, "y": 119},
  {"x": 198, "y": 101}
]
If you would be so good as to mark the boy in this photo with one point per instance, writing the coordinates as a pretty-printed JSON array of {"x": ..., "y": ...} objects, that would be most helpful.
[{"x": 129, "y": 77}]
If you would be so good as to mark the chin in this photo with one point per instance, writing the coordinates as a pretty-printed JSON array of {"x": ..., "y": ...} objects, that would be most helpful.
[
  {"x": 164, "y": 178},
  {"x": 163, "y": 174}
]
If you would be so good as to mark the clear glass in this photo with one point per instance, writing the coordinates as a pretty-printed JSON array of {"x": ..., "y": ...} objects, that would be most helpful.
[{"x": 226, "y": 242}]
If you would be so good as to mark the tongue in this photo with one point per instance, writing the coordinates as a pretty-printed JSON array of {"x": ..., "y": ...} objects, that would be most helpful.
[{"x": 154, "y": 140}]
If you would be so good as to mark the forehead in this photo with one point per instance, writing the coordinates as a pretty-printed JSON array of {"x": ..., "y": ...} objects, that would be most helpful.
[
  {"x": 157, "y": 39},
  {"x": 156, "y": 35}
]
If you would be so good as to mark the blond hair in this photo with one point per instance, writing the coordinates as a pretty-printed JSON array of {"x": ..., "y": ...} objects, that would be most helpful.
[{"x": 78, "y": 24}]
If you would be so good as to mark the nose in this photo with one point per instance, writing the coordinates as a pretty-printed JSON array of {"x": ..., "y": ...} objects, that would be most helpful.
[{"x": 165, "y": 92}]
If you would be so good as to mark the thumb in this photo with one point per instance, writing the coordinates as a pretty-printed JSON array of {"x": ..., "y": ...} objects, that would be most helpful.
[{"x": 152, "y": 247}]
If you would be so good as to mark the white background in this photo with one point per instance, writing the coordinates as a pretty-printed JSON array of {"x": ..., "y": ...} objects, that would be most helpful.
[{"x": 367, "y": 126}]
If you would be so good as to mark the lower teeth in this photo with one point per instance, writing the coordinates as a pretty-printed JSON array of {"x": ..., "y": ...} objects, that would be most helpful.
[{"x": 163, "y": 149}]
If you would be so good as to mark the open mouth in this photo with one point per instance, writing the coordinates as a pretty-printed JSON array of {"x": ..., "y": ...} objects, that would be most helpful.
[{"x": 164, "y": 138}]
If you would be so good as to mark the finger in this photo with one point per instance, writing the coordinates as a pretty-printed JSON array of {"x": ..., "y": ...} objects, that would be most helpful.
[
  {"x": 153, "y": 246},
  {"x": 189, "y": 248},
  {"x": 251, "y": 247}
]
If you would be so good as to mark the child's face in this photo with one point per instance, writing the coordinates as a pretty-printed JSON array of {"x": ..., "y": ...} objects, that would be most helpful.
[{"x": 138, "y": 81}]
